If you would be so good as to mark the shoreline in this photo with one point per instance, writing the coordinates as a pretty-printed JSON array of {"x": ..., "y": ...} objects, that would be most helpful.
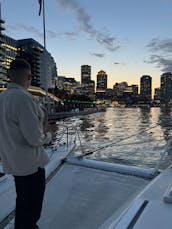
[{"x": 64, "y": 115}]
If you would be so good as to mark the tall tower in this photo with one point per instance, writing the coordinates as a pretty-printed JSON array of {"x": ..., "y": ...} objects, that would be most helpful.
[
  {"x": 101, "y": 81},
  {"x": 85, "y": 74},
  {"x": 146, "y": 87},
  {"x": 166, "y": 88}
]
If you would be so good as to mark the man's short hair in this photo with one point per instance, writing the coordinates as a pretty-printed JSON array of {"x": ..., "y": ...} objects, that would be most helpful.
[{"x": 19, "y": 64}]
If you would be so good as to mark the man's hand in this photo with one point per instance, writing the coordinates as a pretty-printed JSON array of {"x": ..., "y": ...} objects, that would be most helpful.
[{"x": 51, "y": 129}]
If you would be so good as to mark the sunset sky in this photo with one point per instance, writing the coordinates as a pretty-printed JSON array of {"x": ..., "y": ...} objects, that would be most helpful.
[{"x": 126, "y": 38}]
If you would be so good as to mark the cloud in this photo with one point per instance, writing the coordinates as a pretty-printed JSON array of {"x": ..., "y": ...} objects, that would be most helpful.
[
  {"x": 161, "y": 54},
  {"x": 71, "y": 34},
  {"x": 36, "y": 32},
  {"x": 100, "y": 55},
  {"x": 161, "y": 62},
  {"x": 119, "y": 63},
  {"x": 84, "y": 20},
  {"x": 157, "y": 45},
  {"x": 21, "y": 27}
]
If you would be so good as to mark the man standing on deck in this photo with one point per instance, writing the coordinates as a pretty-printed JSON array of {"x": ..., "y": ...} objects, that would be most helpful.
[{"x": 21, "y": 145}]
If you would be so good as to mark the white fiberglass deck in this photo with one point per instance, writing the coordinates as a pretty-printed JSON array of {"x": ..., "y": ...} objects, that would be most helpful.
[
  {"x": 84, "y": 198},
  {"x": 7, "y": 188}
]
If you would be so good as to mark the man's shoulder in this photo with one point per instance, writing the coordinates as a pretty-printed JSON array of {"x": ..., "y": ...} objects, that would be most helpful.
[{"x": 16, "y": 95}]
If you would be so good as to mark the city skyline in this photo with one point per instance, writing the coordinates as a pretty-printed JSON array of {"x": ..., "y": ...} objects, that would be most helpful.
[{"x": 125, "y": 42}]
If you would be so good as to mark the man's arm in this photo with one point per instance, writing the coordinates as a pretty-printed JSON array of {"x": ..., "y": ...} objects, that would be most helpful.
[{"x": 29, "y": 123}]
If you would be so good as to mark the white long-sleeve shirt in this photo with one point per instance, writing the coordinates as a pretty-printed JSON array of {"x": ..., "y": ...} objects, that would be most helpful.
[{"x": 21, "y": 132}]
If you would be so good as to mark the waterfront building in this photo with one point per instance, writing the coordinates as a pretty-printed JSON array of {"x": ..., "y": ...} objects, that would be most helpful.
[
  {"x": 119, "y": 89},
  {"x": 146, "y": 87},
  {"x": 85, "y": 74},
  {"x": 88, "y": 89},
  {"x": 157, "y": 94},
  {"x": 8, "y": 52},
  {"x": 43, "y": 66},
  {"x": 166, "y": 88},
  {"x": 130, "y": 94},
  {"x": 101, "y": 82},
  {"x": 109, "y": 93},
  {"x": 135, "y": 89},
  {"x": 101, "y": 85},
  {"x": 60, "y": 81},
  {"x": 66, "y": 83},
  {"x": 124, "y": 93}
]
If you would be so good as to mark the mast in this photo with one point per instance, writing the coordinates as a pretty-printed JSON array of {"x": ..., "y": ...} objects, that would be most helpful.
[
  {"x": 45, "y": 45},
  {"x": 44, "y": 25}
]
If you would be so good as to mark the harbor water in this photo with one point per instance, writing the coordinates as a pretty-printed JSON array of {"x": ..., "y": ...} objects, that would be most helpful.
[{"x": 143, "y": 145}]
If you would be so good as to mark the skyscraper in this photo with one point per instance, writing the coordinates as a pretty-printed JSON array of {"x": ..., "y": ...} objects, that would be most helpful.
[
  {"x": 88, "y": 85},
  {"x": 146, "y": 87},
  {"x": 166, "y": 88},
  {"x": 85, "y": 74},
  {"x": 101, "y": 81},
  {"x": 157, "y": 94}
]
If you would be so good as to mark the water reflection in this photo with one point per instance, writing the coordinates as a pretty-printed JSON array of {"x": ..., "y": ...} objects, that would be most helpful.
[
  {"x": 142, "y": 149},
  {"x": 86, "y": 123},
  {"x": 165, "y": 121},
  {"x": 145, "y": 116}
]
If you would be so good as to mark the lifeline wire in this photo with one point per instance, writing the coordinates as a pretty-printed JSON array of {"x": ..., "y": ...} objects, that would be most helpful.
[{"x": 120, "y": 140}]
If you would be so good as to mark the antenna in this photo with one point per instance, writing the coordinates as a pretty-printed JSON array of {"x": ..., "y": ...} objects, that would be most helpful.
[{"x": 0, "y": 11}]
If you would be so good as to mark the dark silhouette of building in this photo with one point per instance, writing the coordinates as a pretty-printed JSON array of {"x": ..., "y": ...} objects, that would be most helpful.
[
  {"x": 88, "y": 89},
  {"x": 135, "y": 89},
  {"x": 157, "y": 94},
  {"x": 43, "y": 66},
  {"x": 166, "y": 88},
  {"x": 87, "y": 85},
  {"x": 101, "y": 81},
  {"x": 119, "y": 88},
  {"x": 146, "y": 88},
  {"x": 85, "y": 74}
]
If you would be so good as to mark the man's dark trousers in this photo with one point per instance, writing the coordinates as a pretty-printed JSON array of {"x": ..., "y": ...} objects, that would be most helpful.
[{"x": 30, "y": 192}]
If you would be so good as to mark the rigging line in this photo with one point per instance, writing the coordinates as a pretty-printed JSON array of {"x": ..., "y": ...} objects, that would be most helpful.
[
  {"x": 81, "y": 146},
  {"x": 57, "y": 144},
  {"x": 118, "y": 141},
  {"x": 59, "y": 140},
  {"x": 163, "y": 154},
  {"x": 138, "y": 143}
]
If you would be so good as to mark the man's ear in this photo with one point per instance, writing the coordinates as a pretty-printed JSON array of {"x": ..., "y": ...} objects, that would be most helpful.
[{"x": 30, "y": 78}]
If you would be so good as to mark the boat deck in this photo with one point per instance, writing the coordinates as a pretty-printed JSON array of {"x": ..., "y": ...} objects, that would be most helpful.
[{"x": 78, "y": 197}]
